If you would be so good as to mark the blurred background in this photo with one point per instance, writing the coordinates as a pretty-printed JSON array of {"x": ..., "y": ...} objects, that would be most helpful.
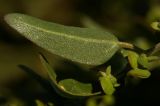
[{"x": 129, "y": 20}]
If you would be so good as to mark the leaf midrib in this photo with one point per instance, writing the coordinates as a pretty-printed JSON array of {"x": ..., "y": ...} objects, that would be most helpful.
[{"x": 69, "y": 35}]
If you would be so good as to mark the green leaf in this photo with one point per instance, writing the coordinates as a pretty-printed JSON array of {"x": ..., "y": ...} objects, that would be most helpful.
[
  {"x": 143, "y": 60},
  {"x": 112, "y": 78},
  {"x": 108, "y": 81},
  {"x": 108, "y": 71},
  {"x": 83, "y": 45},
  {"x": 107, "y": 85},
  {"x": 69, "y": 88},
  {"x": 133, "y": 59},
  {"x": 139, "y": 73},
  {"x": 155, "y": 25},
  {"x": 76, "y": 87}
]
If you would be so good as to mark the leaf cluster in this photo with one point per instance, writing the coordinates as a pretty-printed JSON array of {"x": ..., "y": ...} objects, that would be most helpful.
[{"x": 88, "y": 46}]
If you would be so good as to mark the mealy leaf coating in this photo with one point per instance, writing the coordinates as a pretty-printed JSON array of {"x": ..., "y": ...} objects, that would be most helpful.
[{"x": 82, "y": 45}]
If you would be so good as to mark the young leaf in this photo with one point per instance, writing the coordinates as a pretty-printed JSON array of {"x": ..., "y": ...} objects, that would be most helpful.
[
  {"x": 139, "y": 73},
  {"x": 108, "y": 71},
  {"x": 76, "y": 87},
  {"x": 83, "y": 45},
  {"x": 68, "y": 88},
  {"x": 107, "y": 85},
  {"x": 108, "y": 81},
  {"x": 133, "y": 59},
  {"x": 155, "y": 26},
  {"x": 143, "y": 60}
]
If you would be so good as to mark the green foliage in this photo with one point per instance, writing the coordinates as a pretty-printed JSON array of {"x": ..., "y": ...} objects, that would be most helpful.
[
  {"x": 108, "y": 82},
  {"x": 90, "y": 46},
  {"x": 69, "y": 88},
  {"x": 83, "y": 45},
  {"x": 139, "y": 73},
  {"x": 76, "y": 87},
  {"x": 155, "y": 26},
  {"x": 143, "y": 60},
  {"x": 133, "y": 58}
]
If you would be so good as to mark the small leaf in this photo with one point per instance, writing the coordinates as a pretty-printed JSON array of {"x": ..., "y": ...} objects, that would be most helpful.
[
  {"x": 156, "y": 49},
  {"x": 124, "y": 52},
  {"x": 69, "y": 88},
  {"x": 112, "y": 78},
  {"x": 108, "y": 70},
  {"x": 51, "y": 73},
  {"x": 114, "y": 81},
  {"x": 76, "y": 87},
  {"x": 133, "y": 59},
  {"x": 139, "y": 73},
  {"x": 142, "y": 43},
  {"x": 107, "y": 85},
  {"x": 108, "y": 81},
  {"x": 83, "y": 45},
  {"x": 143, "y": 60},
  {"x": 155, "y": 26}
]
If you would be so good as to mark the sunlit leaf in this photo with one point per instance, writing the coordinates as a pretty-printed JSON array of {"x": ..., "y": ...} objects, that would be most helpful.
[
  {"x": 155, "y": 26},
  {"x": 139, "y": 73},
  {"x": 142, "y": 43},
  {"x": 107, "y": 85},
  {"x": 83, "y": 45},
  {"x": 108, "y": 70},
  {"x": 143, "y": 60},
  {"x": 133, "y": 59},
  {"x": 112, "y": 78}
]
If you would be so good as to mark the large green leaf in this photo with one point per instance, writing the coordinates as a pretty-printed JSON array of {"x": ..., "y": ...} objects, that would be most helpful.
[{"x": 83, "y": 45}]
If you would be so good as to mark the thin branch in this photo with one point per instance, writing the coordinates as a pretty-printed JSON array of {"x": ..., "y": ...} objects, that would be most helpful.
[{"x": 126, "y": 45}]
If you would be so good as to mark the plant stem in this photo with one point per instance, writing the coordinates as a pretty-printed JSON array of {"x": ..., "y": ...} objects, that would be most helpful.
[{"x": 126, "y": 45}]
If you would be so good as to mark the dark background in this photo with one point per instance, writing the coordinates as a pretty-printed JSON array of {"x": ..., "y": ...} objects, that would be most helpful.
[{"x": 129, "y": 20}]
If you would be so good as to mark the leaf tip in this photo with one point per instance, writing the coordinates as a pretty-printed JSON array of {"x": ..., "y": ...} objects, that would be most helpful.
[
  {"x": 13, "y": 20},
  {"x": 9, "y": 18}
]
